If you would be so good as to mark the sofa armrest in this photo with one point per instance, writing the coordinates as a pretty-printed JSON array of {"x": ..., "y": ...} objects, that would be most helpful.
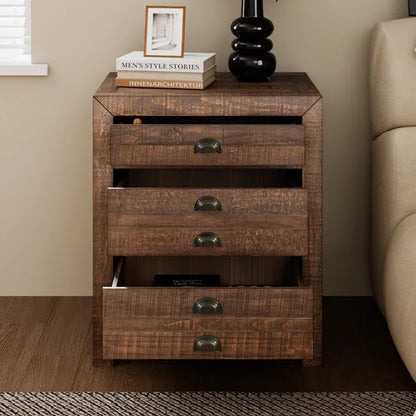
[
  {"x": 393, "y": 195},
  {"x": 399, "y": 290}
]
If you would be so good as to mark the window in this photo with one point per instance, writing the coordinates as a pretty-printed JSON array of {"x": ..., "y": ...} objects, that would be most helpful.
[
  {"x": 14, "y": 28},
  {"x": 15, "y": 39}
]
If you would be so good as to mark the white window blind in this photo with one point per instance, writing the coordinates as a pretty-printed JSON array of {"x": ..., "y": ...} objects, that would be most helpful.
[{"x": 14, "y": 28}]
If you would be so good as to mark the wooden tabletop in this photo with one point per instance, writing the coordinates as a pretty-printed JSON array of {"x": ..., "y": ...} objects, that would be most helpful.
[
  {"x": 295, "y": 83},
  {"x": 286, "y": 94}
]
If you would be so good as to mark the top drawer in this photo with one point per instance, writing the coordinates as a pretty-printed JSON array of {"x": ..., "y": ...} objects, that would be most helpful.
[{"x": 252, "y": 145}]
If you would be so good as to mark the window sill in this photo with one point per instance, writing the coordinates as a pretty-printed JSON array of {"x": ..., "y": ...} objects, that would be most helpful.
[{"x": 22, "y": 66}]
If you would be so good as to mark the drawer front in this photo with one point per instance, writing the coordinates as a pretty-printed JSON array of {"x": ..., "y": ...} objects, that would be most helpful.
[
  {"x": 157, "y": 221},
  {"x": 121, "y": 345},
  {"x": 157, "y": 302},
  {"x": 269, "y": 145},
  {"x": 165, "y": 323}
]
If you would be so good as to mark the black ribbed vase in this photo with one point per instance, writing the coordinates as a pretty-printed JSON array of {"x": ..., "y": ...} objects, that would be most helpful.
[{"x": 252, "y": 59}]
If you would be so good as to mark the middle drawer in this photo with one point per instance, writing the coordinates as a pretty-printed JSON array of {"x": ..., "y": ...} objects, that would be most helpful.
[{"x": 207, "y": 222}]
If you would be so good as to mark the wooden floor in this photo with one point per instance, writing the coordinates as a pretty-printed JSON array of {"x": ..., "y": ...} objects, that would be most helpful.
[{"x": 45, "y": 344}]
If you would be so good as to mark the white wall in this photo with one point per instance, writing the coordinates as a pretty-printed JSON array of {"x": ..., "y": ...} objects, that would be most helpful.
[{"x": 45, "y": 127}]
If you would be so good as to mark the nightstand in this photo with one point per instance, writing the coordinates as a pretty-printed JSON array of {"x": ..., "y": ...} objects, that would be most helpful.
[{"x": 226, "y": 181}]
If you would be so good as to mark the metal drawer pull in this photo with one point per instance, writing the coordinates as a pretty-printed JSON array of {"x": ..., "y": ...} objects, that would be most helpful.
[
  {"x": 207, "y": 240},
  {"x": 207, "y": 306},
  {"x": 207, "y": 145},
  {"x": 207, "y": 203},
  {"x": 207, "y": 343}
]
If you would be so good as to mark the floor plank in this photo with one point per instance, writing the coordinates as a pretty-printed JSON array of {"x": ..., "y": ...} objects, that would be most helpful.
[
  {"x": 5, "y": 304},
  {"x": 46, "y": 344},
  {"x": 357, "y": 334},
  {"x": 89, "y": 378},
  {"x": 20, "y": 332},
  {"x": 56, "y": 357}
]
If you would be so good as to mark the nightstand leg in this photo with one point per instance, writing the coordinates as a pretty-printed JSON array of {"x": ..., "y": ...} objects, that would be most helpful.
[
  {"x": 315, "y": 362},
  {"x": 103, "y": 363}
]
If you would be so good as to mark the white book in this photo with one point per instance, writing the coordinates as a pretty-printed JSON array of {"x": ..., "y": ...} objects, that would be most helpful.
[{"x": 191, "y": 62}]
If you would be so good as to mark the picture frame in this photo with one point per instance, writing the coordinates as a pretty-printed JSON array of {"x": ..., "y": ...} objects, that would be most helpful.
[{"x": 164, "y": 31}]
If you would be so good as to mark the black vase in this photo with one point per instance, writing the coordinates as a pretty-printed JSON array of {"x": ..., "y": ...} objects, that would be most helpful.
[{"x": 252, "y": 59}]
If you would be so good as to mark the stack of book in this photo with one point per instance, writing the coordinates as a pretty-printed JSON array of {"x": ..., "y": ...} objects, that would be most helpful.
[{"x": 193, "y": 71}]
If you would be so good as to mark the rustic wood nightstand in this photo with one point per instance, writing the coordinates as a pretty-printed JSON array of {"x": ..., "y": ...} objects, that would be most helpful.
[{"x": 224, "y": 181}]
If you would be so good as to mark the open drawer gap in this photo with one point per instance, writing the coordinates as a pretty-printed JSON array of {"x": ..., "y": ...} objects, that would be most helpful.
[
  {"x": 233, "y": 272},
  {"x": 208, "y": 177},
  {"x": 207, "y": 120}
]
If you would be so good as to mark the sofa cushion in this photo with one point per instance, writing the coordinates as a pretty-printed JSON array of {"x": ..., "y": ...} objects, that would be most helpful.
[
  {"x": 393, "y": 75},
  {"x": 400, "y": 290}
]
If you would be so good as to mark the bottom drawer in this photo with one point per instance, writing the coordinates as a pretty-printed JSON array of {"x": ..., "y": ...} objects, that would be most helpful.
[
  {"x": 212, "y": 345},
  {"x": 235, "y": 323}
]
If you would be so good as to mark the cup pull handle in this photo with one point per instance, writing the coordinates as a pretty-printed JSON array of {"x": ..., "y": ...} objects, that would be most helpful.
[
  {"x": 207, "y": 239},
  {"x": 207, "y": 203},
  {"x": 207, "y": 145},
  {"x": 207, "y": 343},
  {"x": 207, "y": 306}
]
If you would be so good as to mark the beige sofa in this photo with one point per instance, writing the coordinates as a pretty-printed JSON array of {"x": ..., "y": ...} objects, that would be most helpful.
[{"x": 393, "y": 216}]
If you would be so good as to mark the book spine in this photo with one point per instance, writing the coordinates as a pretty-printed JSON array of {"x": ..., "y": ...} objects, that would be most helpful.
[
  {"x": 147, "y": 83},
  {"x": 191, "y": 66}
]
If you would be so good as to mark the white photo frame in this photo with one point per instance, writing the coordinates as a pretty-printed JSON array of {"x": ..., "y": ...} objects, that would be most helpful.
[{"x": 164, "y": 31}]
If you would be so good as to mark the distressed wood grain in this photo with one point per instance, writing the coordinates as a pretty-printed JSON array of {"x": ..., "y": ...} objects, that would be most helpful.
[
  {"x": 181, "y": 201},
  {"x": 179, "y": 345},
  {"x": 163, "y": 222},
  {"x": 287, "y": 94},
  {"x": 142, "y": 302},
  {"x": 208, "y": 323},
  {"x": 173, "y": 145},
  {"x": 252, "y": 240}
]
